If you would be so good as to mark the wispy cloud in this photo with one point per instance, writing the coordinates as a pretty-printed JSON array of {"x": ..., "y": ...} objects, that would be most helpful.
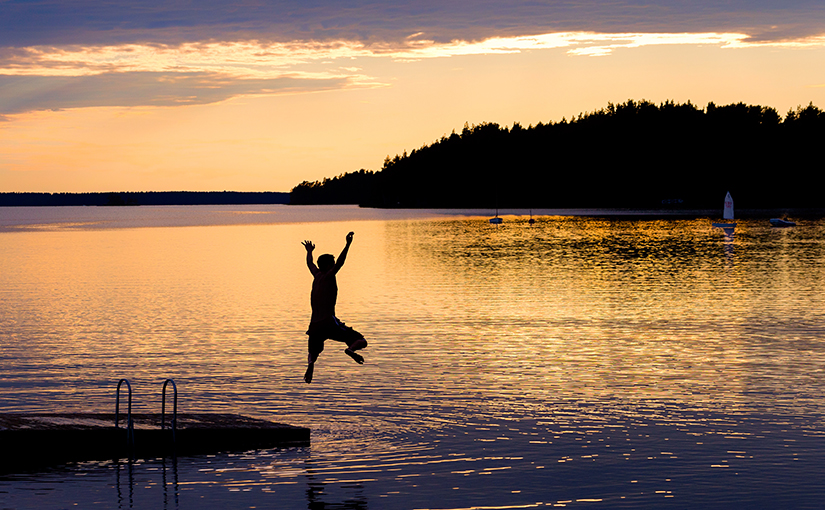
[
  {"x": 27, "y": 93},
  {"x": 242, "y": 59},
  {"x": 56, "y": 22},
  {"x": 36, "y": 78},
  {"x": 266, "y": 60},
  {"x": 56, "y": 54}
]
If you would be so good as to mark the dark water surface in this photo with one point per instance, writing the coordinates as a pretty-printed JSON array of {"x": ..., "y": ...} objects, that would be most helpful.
[{"x": 579, "y": 362}]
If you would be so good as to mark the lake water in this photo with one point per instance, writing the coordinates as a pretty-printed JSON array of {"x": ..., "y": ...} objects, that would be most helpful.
[{"x": 578, "y": 362}]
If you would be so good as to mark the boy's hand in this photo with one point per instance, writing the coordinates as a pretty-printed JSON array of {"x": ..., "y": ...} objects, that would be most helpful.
[
  {"x": 309, "y": 246},
  {"x": 349, "y": 237}
]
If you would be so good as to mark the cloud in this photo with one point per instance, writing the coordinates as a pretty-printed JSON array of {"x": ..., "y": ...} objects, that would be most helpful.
[
  {"x": 56, "y": 22},
  {"x": 42, "y": 78},
  {"x": 56, "y": 54},
  {"x": 313, "y": 59},
  {"x": 243, "y": 59},
  {"x": 20, "y": 94},
  {"x": 48, "y": 77}
]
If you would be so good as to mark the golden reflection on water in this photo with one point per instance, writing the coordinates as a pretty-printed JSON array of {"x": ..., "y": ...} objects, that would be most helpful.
[
  {"x": 566, "y": 308},
  {"x": 630, "y": 310},
  {"x": 521, "y": 354}
]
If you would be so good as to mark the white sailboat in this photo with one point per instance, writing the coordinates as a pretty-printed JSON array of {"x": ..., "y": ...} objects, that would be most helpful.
[{"x": 727, "y": 213}]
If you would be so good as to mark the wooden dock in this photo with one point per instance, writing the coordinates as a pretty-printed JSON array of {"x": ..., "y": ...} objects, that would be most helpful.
[{"x": 38, "y": 440}]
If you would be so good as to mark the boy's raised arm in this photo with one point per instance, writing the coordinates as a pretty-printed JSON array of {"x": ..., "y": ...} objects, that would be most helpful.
[
  {"x": 310, "y": 264},
  {"x": 343, "y": 256}
]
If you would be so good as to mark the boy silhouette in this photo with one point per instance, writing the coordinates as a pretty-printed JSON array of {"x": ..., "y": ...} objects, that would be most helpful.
[{"x": 324, "y": 325}]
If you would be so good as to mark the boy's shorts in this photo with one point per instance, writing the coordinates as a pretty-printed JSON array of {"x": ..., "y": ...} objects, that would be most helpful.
[{"x": 331, "y": 329}]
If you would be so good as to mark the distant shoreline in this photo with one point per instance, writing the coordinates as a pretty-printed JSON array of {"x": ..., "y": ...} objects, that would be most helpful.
[{"x": 137, "y": 198}]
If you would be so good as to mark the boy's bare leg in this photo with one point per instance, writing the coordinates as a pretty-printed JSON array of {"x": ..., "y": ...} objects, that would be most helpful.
[
  {"x": 356, "y": 345},
  {"x": 310, "y": 368}
]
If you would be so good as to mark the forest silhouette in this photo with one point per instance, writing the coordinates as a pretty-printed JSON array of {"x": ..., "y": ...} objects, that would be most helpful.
[{"x": 631, "y": 155}]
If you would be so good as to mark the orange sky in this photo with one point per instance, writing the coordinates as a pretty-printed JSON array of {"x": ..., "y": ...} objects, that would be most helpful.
[{"x": 250, "y": 115}]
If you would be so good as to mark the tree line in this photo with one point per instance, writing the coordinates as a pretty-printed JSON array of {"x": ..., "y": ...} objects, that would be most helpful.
[{"x": 631, "y": 155}]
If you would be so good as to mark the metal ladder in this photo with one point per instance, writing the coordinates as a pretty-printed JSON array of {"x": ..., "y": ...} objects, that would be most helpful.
[{"x": 130, "y": 426}]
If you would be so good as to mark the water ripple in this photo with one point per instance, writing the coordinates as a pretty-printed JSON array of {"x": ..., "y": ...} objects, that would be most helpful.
[{"x": 577, "y": 361}]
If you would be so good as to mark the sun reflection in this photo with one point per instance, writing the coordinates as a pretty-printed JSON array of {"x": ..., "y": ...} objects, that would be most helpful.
[
  {"x": 502, "y": 361},
  {"x": 600, "y": 308}
]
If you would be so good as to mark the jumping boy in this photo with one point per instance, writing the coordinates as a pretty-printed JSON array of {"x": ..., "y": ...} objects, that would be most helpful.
[{"x": 324, "y": 325}]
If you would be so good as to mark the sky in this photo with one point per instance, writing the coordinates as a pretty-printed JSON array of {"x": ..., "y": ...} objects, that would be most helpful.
[{"x": 262, "y": 95}]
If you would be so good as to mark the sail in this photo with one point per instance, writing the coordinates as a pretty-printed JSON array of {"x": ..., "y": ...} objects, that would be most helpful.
[{"x": 728, "y": 214}]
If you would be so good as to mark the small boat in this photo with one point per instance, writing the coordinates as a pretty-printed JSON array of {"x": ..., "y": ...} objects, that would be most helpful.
[
  {"x": 727, "y": 213},
  {"x": 780, "y": 222},
  {"x": 496, "y": 220},
  {"x": 531, "y": 220}
]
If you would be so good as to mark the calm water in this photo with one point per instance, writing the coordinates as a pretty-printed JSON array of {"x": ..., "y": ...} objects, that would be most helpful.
[{"x": 577, "y": 362}]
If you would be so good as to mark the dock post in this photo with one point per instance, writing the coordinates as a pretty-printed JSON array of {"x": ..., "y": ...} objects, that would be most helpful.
[
  {"x": 130, "y": 428},
  {"x": 174, "y": 408}
]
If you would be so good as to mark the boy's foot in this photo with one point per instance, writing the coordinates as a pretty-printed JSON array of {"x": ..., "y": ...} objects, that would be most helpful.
[
  {"x": 308, "y": 374},
  {"x": 354, "y": 355}
]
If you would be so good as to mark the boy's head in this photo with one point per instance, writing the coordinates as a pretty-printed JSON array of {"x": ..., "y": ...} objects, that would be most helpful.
[{"x": 326, "y": 262}]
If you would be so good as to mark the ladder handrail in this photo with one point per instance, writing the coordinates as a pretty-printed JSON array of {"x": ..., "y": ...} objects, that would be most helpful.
[
  {"x": 130, "y": 429},
  {"x": 174, "y": 407},
  {"x": 117, "y": 402}
]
